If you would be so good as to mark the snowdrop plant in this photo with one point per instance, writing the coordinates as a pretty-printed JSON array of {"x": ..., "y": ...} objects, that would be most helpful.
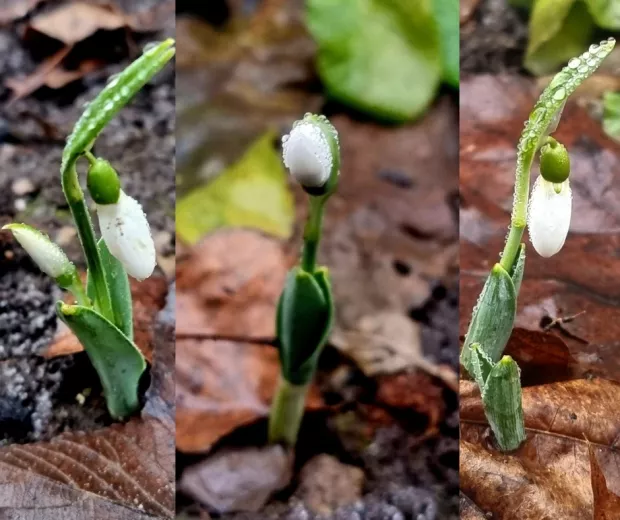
[
  {"x": 101, "y": 316},
  {"x": 305, "y": 311},
  {"x": 548, "y": 219}
]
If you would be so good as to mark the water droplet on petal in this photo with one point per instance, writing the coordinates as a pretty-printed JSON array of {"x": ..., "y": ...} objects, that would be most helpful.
[{"x": 574, "y": 63}]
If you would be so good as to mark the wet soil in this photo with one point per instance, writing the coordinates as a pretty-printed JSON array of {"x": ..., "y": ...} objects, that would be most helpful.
[
  {"x": 493, "y": 39},
  {"x": 39, "y": 397}
]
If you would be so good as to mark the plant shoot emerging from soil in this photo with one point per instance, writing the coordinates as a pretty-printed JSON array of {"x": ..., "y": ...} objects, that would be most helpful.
[
  {"x": 305, "y": 311},
  {"x": 548, "y": 220},
  {"x": 102, "y": 316}
]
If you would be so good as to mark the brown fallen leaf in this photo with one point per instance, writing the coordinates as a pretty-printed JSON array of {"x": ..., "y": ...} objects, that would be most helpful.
[
  {"x": 221, "y": 385},
  {"x": 239, "y": 479},
  {"x": 148, "y": 298},
  {"x": 605, "y": 476},
  {"x": 531, "y": 482},
  {"x": 14, "y": 9},
  {"x": 229, "y": 285},
  {"x": 125, "y": 470},
  {"x": 75, "y": 21},
  {"x": 387, "y": 343},
  {"x": 24, "y": 86},
  {"x": 413, "y": 392}
]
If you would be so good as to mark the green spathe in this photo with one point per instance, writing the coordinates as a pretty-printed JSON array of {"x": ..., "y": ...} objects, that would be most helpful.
[{"x": 304, "y": 320}]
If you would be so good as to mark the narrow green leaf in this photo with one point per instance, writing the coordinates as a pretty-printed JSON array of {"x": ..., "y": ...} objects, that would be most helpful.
[
  {"x": 481, "y": 365},
  {"x": 118, "y": 285},
  {"x": 117, "y": 360},
  {"x": 492, "y": 318},
  {"x": 115, "y": 95},
  {"x": 303, "y": 319},
  {"x": 502, "y": 404},
  {"x": 517, "y": 270}
]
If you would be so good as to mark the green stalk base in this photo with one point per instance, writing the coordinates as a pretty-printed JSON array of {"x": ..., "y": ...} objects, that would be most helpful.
[{"x": 287, "y": 411}]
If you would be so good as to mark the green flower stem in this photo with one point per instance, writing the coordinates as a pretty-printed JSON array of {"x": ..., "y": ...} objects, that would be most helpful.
[
  {"x": 312, "y": 233},
  {"x": 287, "y": 411},
  {"x": 79, "y": 210},
  {"x": 77, "y": 289},
  {"x": 518, "y": 219}
]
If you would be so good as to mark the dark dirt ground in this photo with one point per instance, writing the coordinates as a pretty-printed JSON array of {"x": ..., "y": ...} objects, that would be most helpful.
[
  {"x": 389, "y": 237},
  {"x": 493, "y": 38},
  {"x": 38, "y": 396}
]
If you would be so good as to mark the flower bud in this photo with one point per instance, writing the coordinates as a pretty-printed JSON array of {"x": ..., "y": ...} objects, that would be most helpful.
[
  {"x": 554, "y": 162},
  {"x": 549, "y": 216},
  {"x": 48, "y": 256},
  {"x": 103, "y": 183},
  {"x": 311, "y": 152},
  {"x": 126, "y": 232}
]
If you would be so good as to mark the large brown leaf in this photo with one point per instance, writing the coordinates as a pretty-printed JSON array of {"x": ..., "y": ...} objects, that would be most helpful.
[
  {"x": 566, "y": 339},
  {"x": 123, "y": 471},
  {"x": 221, "y": 385}
]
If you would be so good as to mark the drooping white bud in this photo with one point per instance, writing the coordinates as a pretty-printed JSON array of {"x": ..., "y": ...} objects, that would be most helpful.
[
  {"x": 549, "y": 216},
  {"x": 48, "y": 256},
  {"x": 126, "y": 232},
  {"x": 307, "y": 152}
]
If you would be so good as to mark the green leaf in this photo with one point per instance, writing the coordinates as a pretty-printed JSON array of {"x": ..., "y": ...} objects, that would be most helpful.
[
  {"x": 251, "y": 193},
  {"x": 120, "y": 292},
  {"x": 559, "y": 29},
  {"x": 304, "y": 318},
  {"x": 379, "y": 56},
  {"x": 502, "y": 404},
  {"x": 446, "y": 14},
  {"x": 606, "y": 13},
  {"x": 517, "y": 270},
  {"x": 481, "y": 365},
  {"x": 117, "y": 360},
  {"x": 492, "y": 319},
  {"x": 611, "y": 114}
]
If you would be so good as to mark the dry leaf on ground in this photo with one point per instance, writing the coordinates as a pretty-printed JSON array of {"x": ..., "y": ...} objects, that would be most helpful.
[
  {"x": 229, "y": 285},
  {"x": 75, "y": 21},
  {"x": 221, "y": 385}
]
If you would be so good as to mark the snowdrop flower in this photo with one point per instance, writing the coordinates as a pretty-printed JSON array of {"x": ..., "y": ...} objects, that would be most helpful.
[
  {"x": 308, "y": 151},
  {"x": 48, "y": 256},
  {"x": 127, "y": 234},
  {"x": 550, "y": 204},
  {"x": 549, "y": 216}
]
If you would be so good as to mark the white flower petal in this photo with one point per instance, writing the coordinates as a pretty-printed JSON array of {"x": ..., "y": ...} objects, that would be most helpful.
[
  {"x": 307, "y": 154},
  {"x": 127, "y": 234},
  {"x": 47, "y": 255},
  {"x": 549, "y": 216}
]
